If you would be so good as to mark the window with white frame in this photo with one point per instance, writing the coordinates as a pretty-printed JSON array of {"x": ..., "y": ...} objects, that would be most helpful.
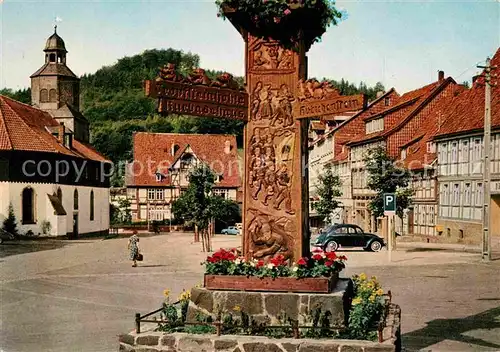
[
  {"x": 221, "y": 193},
  {"x": 431, "y": 147},
  {"x": 444, "y": 194},
  {"x": 151, "y": 194},
  {"x": 159, "y": 194},
  {"x": 465, "y": 151},
  {"x": 376, "y": 125},
  {"x": 442, "y": 157},
  {"x": 467, "y": 193},
  {"x": 479, "y": 194},
  {"x": 403, "y": 154},
  {"x": 159, "y": 177},
  {"x": 456, "y": 194},
  {"x": 454, "y": 152},
  {"x": 477, "y": 149},
  {"x": 431, "y": 215}
]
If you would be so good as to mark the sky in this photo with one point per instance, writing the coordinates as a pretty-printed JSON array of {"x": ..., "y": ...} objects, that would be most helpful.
[{"x": 402, "y": 44}]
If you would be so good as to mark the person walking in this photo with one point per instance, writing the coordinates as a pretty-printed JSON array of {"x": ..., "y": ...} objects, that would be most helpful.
[{"x": 133, "y": 247}]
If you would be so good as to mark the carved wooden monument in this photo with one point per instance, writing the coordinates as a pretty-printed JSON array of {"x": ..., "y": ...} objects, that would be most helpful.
[{"x": 276, "y": 108}]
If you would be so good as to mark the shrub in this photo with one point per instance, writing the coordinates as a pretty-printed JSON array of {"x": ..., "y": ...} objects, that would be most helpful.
[{"x": 10, "y": 223}]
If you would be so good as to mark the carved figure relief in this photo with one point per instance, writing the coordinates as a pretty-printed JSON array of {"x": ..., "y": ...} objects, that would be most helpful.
[
  {"x": 268, "y": 56},
  {"x": 271, "y": 105},
  {"x": 269, "y": 176},
  {"x": 313, "y": 90},
  {"x": 270, "y": 237}
]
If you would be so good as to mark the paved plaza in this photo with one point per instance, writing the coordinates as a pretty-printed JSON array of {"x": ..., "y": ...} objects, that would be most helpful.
[{"x": 62, "y": 296}]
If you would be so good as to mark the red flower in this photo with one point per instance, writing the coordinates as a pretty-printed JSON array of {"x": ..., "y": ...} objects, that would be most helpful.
[
  {"x": 260, "y": 264},
  {"x": 317, "y": 257},
  {"x": 278, "y": 261},
  {"x": 329, "y": 263},
  {"x": 317, "y": 250},
  {"x": 302, "y": 261},
  {"x": 277, "y": 20},
  {"x": 331, "y": 256},
  {"x": 343, "y": 257}
]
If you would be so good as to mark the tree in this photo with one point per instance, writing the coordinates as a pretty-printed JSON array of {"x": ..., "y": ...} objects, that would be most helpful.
[
  {"x": 22, "y": 95},
  {"x": 385, "y": 176},
  {"x": 198, "y": 206},
  {"x": 10, "y": 223},
  {"x": 327, "y": 188}
]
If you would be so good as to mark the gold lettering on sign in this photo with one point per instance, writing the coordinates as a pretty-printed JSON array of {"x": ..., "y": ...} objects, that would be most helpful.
[
  {"x": 328, "y": 107},
  {"x": 202, "y": 109},
  {"x": 183, "y": 91}
]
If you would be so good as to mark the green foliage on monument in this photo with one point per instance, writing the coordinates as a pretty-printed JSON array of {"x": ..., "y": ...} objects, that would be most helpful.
[
  {"x": 10, "y": 222},
  {"x": 285, "y": 21},
  {"x": 386, "y": 176},
  {"x": 327, "y": 189}
]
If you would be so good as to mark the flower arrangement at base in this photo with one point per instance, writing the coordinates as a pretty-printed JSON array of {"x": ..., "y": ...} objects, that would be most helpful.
[
  {"x": 227, "y": 262},
  {"x": 367, "y": 308},
  {"x": 286, "y": 21}
]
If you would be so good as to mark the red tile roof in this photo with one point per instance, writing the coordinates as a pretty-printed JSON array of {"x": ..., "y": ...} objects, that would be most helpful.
[
  {"x": 156, "y": 148},
  {"x": 401, "y": 111},
  {"x": 417, "y": 155},
  {"x": 355, "y": 125},
  {"x": 467, "y": 112},
  {"x": 23, "y": 127}
]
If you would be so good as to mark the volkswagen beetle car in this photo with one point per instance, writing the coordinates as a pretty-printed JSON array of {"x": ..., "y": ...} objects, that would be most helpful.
[
  {"x": 231, "y": 230},
  {"x": 345, "y": 235}
]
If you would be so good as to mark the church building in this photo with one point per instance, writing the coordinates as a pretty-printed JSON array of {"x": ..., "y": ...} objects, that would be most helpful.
[{"x": 55, "y": 182}]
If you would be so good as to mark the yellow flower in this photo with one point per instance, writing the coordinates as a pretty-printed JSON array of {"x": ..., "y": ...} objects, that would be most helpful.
[
  {"x": 362, "y": 276},
  {"x": 356, "y": 301},
  {"x": 372, "y": 298},
  {"x": 185, "y": 295},
  {"x": 370, "y": 284},
  {"x": 237, "y": 308},
  {"x": 379, "y": 292},
  {"x": 166, "y": 292},
  {"x": 374, "y": 278}
]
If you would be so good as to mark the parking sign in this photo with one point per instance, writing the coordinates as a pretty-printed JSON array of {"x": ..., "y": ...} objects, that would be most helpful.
[{"x": 389, "y": 203}]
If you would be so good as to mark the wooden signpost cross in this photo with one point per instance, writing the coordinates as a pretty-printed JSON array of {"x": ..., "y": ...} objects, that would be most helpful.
[{"x": 276, "y": 105}]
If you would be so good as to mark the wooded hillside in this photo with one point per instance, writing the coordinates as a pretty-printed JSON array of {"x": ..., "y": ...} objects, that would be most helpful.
[{"x": 114, "y": 102}]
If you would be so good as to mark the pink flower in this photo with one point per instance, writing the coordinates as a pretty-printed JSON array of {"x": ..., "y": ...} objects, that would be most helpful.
[
  {"x": 277, "y": 20},
  {"x": 329, "y": 263},
  {"x": 287, "y": 12}
]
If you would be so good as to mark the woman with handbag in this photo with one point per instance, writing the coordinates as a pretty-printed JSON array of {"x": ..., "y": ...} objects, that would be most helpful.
[{"x": 133, "y": 247}]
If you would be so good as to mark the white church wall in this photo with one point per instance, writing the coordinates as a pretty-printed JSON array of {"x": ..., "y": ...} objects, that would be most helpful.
[{"x": 44, "y": 211}]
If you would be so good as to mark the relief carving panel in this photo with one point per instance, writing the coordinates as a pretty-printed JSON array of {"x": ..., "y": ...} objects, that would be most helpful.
[{"x": 273, "y": 186}]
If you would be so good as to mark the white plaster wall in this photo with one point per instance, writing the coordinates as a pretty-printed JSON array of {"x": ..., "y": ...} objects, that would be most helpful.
[{"x": 61, "y": 225}]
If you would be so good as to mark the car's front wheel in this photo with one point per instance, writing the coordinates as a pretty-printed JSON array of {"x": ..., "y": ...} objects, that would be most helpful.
[
  {"x": 331, "y": 246},
  {"x": 375, "y": 246}
]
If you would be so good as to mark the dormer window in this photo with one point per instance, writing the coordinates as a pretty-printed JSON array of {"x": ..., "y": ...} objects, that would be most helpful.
[
  {"x": 387, "y": 101},
  {"x": 375, "y": 125},
  {"x": 431, "y": 147},
  {"x": 175, "y": 148}
]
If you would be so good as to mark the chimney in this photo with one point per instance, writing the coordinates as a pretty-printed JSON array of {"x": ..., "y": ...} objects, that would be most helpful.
[
  {"x": 60, "y": 134},
  {"x": 227, "y": 147},
  {"x": 474, "y": 78},
  {"x": 440, "y": 76},
  {"x": 379, "y": 94}
]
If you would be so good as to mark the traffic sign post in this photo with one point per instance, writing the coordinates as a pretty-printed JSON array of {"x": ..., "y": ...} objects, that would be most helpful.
[{"x": 390, "y": 212}]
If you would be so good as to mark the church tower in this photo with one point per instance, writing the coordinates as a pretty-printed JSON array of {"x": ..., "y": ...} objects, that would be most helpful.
[{"x": 56, "y": 89}]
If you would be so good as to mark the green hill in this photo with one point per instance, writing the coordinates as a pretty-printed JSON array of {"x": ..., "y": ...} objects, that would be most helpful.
[{"x": 114, "y": 102}]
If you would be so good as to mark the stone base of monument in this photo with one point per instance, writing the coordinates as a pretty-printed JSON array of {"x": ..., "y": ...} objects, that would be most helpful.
[
  {"x": 268, "y": 307},
  {"x": 182, "y": 342}
]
